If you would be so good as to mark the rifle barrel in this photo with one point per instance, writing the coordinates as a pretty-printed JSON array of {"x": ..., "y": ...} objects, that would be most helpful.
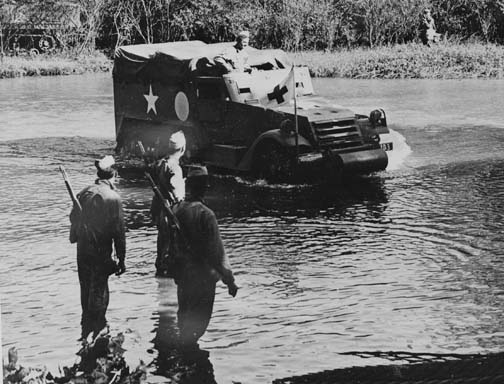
[
  {"x": 75, "y": 201},
  {"x": 142, "y": 149},
  {"x": 160, "y": 196}
]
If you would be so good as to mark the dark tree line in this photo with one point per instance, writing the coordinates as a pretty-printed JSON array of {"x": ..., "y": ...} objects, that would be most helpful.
[{"x": 287, "y": 24}]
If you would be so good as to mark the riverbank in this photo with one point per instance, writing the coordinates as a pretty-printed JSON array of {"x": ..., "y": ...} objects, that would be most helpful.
[
  {"x": 53, "y": 65},
  {"x": 446, "y": 60},
  {"x": 408, "y": 61}
]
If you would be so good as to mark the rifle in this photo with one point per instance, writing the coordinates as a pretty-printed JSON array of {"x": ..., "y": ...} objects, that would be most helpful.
[
  {"x": 78, "y": 206},
  {"x": 169, "y": 194},
  {"x": 178, "y": 244},
  {"x": 75, "y": 201},
  {"x": 164, "y": 201},
  {"x": 142, "y": 151},
  {"x": 232, "y": 288}
]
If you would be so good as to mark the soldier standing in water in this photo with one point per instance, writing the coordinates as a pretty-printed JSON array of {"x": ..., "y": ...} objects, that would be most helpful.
[
  {"x": 95, "y": 229},
  {"x": 169, "y": 177},
  {"x": 204, "y": 260}
]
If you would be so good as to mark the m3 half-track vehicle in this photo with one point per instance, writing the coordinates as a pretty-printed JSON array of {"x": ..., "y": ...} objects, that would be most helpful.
[
  {"x": 267, "y": 122},
  {"x": 33, "y": 39},
  {"x": 29, "y": 28}
]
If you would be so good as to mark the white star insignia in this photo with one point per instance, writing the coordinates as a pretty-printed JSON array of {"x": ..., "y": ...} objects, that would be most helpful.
[{"x": 151, "y": 100}]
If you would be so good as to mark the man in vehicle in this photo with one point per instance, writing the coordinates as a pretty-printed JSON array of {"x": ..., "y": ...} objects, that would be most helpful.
[
  {"x": 168, "y": 175},
  {"x": 95, "y": 229},
  {"x": 204, "y": 260},
  {"x": 236, "y": 58}
]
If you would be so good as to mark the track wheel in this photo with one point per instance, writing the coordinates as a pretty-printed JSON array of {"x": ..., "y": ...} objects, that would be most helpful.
[{"x": 273, "y": 162}]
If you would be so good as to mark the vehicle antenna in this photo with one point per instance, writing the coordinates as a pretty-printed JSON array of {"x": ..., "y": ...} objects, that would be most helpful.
[{"x": 295, "y": 113}]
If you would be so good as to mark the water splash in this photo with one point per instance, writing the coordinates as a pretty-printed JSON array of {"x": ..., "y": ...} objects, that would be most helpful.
[{"x": 400, "y": 152}]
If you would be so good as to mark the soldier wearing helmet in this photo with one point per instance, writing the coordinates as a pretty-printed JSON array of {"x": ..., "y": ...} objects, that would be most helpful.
[
  {"x": 205, "y": 261},
  {"x": 95, "y": 229},
  {"x": 169, "y": 177}
]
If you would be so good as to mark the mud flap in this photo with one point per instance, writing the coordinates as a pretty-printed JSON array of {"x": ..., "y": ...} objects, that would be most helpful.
[{"x": 363, "y": 161}]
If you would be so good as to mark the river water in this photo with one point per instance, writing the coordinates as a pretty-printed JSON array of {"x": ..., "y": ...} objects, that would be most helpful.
[{"x": 409, "y": 259}]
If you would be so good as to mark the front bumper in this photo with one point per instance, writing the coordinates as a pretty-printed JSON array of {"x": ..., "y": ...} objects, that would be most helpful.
[{"x": 357, "y": 162}]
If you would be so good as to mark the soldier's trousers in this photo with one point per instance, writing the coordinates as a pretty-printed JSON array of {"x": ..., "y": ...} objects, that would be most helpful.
[
  {"x": 94, "y": 298},
  {"x": 163, "y": 243},
  {"x": 196, "y": 294}
]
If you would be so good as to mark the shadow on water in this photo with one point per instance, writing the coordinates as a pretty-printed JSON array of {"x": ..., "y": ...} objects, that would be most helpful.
[
  {"x": 236, "y": 197},
  {"x": 182, "y": 366}
]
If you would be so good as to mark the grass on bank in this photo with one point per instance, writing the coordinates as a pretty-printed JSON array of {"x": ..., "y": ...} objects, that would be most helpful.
[
  {"x": 446, "y": 60},
  {"x": 53, "y": 64}
]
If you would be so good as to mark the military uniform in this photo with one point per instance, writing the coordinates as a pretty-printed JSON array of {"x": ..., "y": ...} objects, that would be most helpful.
[
  {"x": 235, "y": 58},
  {"x": 428, "y": 32},
  {"x": 100, "y": 224},
  {"x": 169, "y": 177},
  {"x": 205, "y": 264}
]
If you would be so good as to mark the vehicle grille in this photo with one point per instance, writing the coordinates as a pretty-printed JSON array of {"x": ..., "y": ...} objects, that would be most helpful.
[{"x": 337, "y": 134}]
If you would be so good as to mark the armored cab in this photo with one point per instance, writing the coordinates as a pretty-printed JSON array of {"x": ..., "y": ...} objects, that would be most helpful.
[{"x": 267, "y": 122}]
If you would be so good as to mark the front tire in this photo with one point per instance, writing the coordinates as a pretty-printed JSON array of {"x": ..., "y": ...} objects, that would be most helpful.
[
  {"x": 45, "y": 44},
  {"x": 273, "y": 162}
]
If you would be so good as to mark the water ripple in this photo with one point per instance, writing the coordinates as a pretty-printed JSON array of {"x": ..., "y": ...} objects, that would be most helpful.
[{"x": 408, "y": 259}]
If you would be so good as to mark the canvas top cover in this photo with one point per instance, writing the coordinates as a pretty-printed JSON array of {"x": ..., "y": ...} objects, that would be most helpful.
[{"x": 179, "y": 60}]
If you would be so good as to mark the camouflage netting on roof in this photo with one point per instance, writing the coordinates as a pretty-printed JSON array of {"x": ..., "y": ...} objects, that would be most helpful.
[
  {"x": 473, "y": 369},
  {"x": 177, "y": 60}
]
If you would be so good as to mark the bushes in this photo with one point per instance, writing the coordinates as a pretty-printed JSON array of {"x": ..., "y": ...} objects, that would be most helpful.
[
  {"x": 48, "y": 65},
  {"x": 288, "y": 24},
  {"x": 388, "y": 27},
  {"x": 299, "y": 24},
  {"x": 443, "y": 61},
  {"x": 448, "y": 60},
  {"x": 468, "y": 18}
]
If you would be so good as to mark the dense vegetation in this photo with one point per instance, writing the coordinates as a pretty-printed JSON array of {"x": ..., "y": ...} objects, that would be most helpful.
[
  {"x": 299, "y": 24},
  {"x": 287, "y": 24},
  {"x": 340, "y": 38},
  {"x": 52, "y": 65},
  {"x": 447, "y": 60},
  {"x": 401, "y": 61}
]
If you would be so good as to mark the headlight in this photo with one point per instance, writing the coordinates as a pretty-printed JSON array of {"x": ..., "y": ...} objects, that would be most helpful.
[{"x": 375, "y": 117}]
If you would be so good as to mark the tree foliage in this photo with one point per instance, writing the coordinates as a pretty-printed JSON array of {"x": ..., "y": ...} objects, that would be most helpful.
[{"x": 288, "y": 24}]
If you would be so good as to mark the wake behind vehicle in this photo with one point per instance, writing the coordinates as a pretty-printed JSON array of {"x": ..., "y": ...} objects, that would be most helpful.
[{"x": 266, "y": 123}]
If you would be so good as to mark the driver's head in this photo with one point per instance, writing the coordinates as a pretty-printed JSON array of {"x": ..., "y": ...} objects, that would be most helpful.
[{"x": 242, "y": 39}]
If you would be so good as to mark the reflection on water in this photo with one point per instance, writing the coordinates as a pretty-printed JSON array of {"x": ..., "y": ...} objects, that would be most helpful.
[
  {"x": 408, "y": 259},
  {"x": 186, "y": 365}
]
